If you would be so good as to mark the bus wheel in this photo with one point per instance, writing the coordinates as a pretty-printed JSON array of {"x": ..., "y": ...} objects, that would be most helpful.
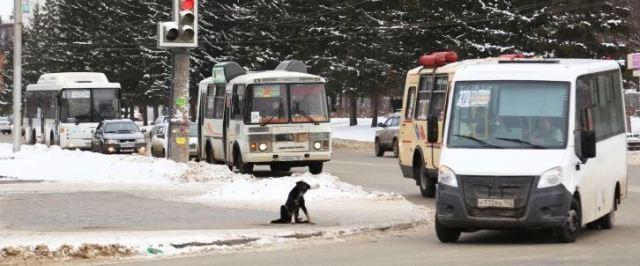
[
  {"x": 244, "y": 168},
  {"x": 446, "y": 234},
  {"x": 427, "y": 184},
  {"x": 51, "y": 140},
  {"x": 396, "y": 149},
  {"x": 379, "y": 149},
  {"x": 33, "y": 138},
  {"x": 572, "y": 227},
  {"x": 208, "y": 154},
  {"x": 316, "y": 168},
  {"x": 280, "y": 168}
]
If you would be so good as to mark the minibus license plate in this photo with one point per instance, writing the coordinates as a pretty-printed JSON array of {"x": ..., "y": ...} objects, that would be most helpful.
[
  {"x": 291, "y": 158},
  {"x": 496, "y": 203}
]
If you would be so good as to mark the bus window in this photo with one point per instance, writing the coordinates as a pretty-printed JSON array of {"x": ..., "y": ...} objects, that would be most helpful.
[
  {"x": 76, "y": 106},
  {"x": 410, "y": 108},
  {"x": 31, "y": 105},
  {"x": 219, "y": 102},
  {"x": 238, "y": 102},
  {"x": 308, "y": 103},
  {"x": 105, "y": 103},
  {"x": 424, "y": 97},
  {"x": 439, "y": 96},
  {"x": 268, "y": 104}
]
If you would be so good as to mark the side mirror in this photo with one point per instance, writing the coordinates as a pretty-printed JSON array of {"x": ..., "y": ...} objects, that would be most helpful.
[
  {"x": 432, "y": 129},
  {"x": 381, "y": 125},
  {"x": 585, "y": 145}
]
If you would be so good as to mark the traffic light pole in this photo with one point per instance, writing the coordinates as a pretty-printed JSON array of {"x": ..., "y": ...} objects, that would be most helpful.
[
  {"x": 17, "y": 75},
  {"x": 178, "y": 135}
]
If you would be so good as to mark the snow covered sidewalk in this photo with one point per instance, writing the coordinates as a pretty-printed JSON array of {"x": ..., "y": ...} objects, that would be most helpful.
[{"x": 82, "y": 202}]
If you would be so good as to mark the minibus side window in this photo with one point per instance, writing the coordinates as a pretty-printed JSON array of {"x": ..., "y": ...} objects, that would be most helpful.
[
  {"x": 210, "y": 102},
  {"x": 599, "y": 105},
  {"x": 411, "y": 101},
  {"x": 219, "y": 102}
]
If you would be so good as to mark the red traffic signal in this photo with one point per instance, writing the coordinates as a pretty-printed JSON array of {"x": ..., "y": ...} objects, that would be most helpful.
[{"x": 187, "y": 4}]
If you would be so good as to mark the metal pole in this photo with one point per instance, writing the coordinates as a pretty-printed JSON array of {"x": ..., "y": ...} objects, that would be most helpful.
[
  {"x": 178, "y": 141},
  {"x": 17, "y": 75}
]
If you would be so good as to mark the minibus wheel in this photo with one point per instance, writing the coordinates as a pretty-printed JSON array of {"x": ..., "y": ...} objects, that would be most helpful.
[
  {"x": 569, "y": 232},
  {"x": 607, "y": 221},
  {"x": 446, "y": 234},
  {"x": 244, "y": 168},
  {"x": 315, "y": 168}
]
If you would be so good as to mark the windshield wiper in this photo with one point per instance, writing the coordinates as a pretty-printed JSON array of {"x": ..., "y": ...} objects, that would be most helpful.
[
  {"x": 273, "y": 114},
  {"x": 304, "y": 113},
  {"x": 524, "y": 142},
  {"x": 482, "y": 142}
]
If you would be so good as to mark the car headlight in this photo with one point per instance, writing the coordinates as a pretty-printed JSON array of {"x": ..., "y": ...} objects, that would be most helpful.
[
  {"x": 111, "y": 141},
  {"x": 317, "y": 145},
  {"x": 447, "y": 177},
  {"x": 140, "y": 141},
  {"x": 551, "y": 178},
  {"x": 263, "y": 147}
]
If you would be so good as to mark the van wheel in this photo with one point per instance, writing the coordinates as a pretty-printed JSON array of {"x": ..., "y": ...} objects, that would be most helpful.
[
  {"x": 316, "y": 168},
  {"x": 607, "y": 221},
  {"x": 396, "y": 148},
  {"x": 378, "y": 149},
  {"x": 427, "y": 184},
  {"x": 163, "y": 154},
  {"x": 446, "y": 234},
  {"x": 33, "y": 138},
  {"x": 573, "y": 225},
  {"x": 51, "y": 140}
]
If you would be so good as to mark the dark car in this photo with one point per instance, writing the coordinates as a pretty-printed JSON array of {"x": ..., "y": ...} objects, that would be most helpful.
[{"x": 118, "y": 136}]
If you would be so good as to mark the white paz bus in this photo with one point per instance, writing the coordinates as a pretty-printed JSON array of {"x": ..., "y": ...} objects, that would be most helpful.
[
  {"x": 278, "y": 118},
  {"x": 65, "y": 108},
  {"x": 533, "y": 144}
]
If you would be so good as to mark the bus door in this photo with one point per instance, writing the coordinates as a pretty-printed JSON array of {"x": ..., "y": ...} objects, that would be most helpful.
[
  {"x": 225, "y": 129},
  {"x": 437, "y": 108}
]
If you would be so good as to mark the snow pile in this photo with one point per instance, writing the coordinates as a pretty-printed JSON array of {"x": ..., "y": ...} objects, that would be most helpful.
[
  {"x": 340, "y": 129},
  {"x": 55, "y": 164},
  {"x": 323, "y": 187}
]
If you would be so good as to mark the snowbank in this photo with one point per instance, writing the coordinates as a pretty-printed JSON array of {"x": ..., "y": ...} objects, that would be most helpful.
[
  {"x": 323, "y": 187},
  {"x": 54, "y": 164},
  {"x": 340, "y": 129}
]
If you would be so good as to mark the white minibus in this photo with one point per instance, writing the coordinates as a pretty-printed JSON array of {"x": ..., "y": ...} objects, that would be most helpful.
[{"x": 532, "y": 144}]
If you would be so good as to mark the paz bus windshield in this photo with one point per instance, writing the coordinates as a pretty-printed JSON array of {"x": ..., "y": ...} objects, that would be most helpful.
[
  {"x": 287, "y": 103},
  {"x": 509, "y": 115}
]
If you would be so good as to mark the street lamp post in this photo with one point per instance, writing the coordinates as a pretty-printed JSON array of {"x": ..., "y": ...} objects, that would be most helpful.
[{"x": 17, "y": 75}]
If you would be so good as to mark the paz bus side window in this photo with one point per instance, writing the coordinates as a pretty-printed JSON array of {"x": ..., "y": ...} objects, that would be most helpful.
[
  {"x": 238, "y": 102},
  {"x": 210, "y": 106},
  {"x": 424, "y": 97},
  {"x": 411, "y": 102},
  {"x": 439, "y": 96},
  {"x": 219, "y": 102}
]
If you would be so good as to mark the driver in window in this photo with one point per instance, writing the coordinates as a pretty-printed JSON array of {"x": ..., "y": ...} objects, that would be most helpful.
[{"x": 545, "y": 133}]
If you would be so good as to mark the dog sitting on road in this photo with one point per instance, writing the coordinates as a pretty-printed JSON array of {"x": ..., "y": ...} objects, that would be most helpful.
[{"x": 289, "y": 212}]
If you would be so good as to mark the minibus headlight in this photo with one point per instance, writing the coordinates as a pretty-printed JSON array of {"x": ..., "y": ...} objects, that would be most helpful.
[
  {"x": 551, "y": 178},
  {"x": 317, "y": 145},
  {"x": 263, "y": 147},
  {"x": 447, "y": 177}
]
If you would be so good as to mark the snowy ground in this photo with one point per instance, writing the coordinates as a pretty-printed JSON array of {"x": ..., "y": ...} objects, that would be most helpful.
[
  {"x": 343, "y": 209},
  {"x": 340, "y": 129}
]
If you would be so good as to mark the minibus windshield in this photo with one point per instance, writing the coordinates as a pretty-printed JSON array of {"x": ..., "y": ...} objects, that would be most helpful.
[
  {"x": 287, "y": 103},
  {"x": 509, "y": 115}
]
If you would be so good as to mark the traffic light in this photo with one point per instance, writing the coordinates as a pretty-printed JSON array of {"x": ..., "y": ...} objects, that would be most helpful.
[{"x": 182, "y": 32}]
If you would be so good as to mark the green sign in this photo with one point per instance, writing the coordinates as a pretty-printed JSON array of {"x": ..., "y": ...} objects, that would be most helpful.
[
  {"x": 181, "y": 102},
  {"x": 218, "y": 75}
]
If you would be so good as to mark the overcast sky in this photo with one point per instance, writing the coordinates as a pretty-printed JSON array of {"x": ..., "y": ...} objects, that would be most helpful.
[{"x": 6, "y": 8}]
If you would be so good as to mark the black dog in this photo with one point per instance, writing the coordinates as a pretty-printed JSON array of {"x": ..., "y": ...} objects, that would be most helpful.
[{"x": 289, "y": 212}]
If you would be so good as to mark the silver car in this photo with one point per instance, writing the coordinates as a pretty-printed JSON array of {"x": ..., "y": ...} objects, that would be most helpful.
[
  {"x": 387, "y": 137},
  {"x": 5, "y": 125}
]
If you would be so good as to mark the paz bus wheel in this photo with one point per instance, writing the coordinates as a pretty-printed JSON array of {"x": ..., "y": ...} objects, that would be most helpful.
[
  {"x": 427, "y": 184},
  {"x": 316, "y": 168}
]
